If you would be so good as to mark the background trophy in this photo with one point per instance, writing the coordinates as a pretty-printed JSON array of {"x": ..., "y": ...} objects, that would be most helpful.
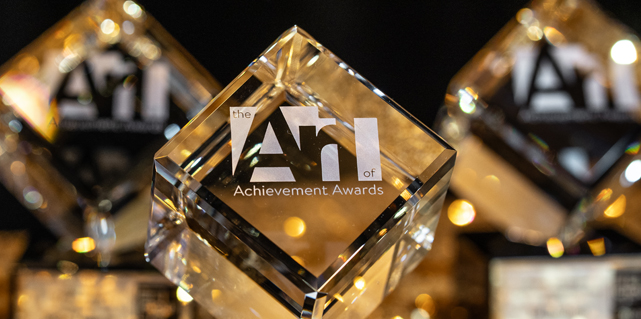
[
  {"x": 83, "y": 109},
  {"x": 546, "y": 118},
  {"x": 301, "y": 191}
]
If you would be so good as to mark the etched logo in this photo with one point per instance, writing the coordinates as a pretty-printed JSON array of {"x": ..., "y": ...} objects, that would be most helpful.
[
  {"x": 567, "y": 83},
  {"x": 297, "y": 117},
  {"x": 108, "y": 92}
]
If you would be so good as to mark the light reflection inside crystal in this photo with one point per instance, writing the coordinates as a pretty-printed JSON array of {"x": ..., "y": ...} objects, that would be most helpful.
[
  {"x": 294, "y": 227},
  {"x": 633, "y": 149},
  {"x": 466, "y": 102},
  {"x": 313, "y": 60},
  {"x": 617, "y": 208},
  {"x": 553, "y": 36},
  {"x": 215, "y": 293},
  {"x": 624, "y": 52},
  {"x": 359, "y": 283},
  {"x": 299, "y": 260},
  {"x": 604, "y": 195}
]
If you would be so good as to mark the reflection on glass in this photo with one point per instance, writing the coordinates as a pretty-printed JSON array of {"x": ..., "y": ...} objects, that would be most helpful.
[
  {"x": 301, "y": 188},
  {"x": 83, "y": 110},
  {"x": 550, "y": 107}
]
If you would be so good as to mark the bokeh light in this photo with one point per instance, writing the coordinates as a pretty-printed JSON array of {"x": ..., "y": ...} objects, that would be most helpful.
[
  {"x": 359, "y": 283},
  {"x": 294, "y": 227},
  {"x": 616, "y": 209},
  {"x": 633, "y": 171},
  {"x": 461, "y": 212},
  {"x": 183, "y": 296},
  {"x": 623, "y": 52},
  {"x": 597, "y": 246},
  {"x": 108, "y": 26},
  {"x": 83, "y": 245},
  {"x": 555, "y": 247}
]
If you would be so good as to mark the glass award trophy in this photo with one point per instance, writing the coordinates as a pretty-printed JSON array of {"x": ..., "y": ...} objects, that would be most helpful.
[
  {"x": 83, "y": 110},
  {"x": 301, "y": 191},
  {"x": 543, "y": 114}
]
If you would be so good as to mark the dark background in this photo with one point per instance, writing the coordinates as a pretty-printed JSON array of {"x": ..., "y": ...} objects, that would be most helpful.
[{"x": 408, "y": 49}]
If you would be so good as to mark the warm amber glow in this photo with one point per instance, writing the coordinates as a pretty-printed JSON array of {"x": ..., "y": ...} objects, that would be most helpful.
[
  {"x": 425, "y": 302},
  {"x": 30, "y": 98},
  {"x": 534, "y": 33},
  {"x": 183, "y": 296},
  {"x": 461, "y": 212},
  {"x": 604, "y": 195},
  {"x": 359, "y": 283},
  {"x": 597, "y": 246},
  {"x": 17, "y": 168},
  {"x": 398, "y": 183},
  {"x": 524, "y": 16},
  {"x": 554, "y": 36},
  {"x": 215, "y": 293},
  {"x": 28, "y": 64},
  {"x": 616, "y": 209},
  {"x": 299, "y": 260},
  {"x": 555, "y": 247},
  {"x": 339, "y": 297},
  {"x": 83, "y": 245},
  {"x": 294, "y": 227}
]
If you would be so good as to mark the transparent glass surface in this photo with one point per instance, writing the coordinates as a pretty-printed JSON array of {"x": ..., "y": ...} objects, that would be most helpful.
[
  {"x": 83, "y": 110},
  {"x": 549, "y": 106},
  {"x": 301, "y": 187}
]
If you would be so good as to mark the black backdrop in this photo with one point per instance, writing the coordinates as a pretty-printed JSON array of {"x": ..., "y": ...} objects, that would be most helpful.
[{"x": 409, "y": 49}]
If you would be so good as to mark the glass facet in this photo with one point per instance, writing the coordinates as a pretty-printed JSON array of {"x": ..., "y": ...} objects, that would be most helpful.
[
  {"x": 543, "y": 114},
  {"x": 83, "y": 110},
  {"x": 301, "y": 191}
]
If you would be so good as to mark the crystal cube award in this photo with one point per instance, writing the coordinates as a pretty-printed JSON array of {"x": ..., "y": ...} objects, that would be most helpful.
[
  {"x": 301, "y": 191},
  {"x": 83, "y": 110},
  {"x": 542, "y": 115}
]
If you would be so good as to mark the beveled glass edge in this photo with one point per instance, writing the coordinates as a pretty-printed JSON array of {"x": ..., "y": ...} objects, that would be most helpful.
[
  {"x": 230, "y": 89},
  {"x": 367, "y": 84},
  {"x": 234, "y": 224},
  {"x": 426, "y": 180},
  {"x": 269, "y": 251},
  {"x": 495, "y": 42}
]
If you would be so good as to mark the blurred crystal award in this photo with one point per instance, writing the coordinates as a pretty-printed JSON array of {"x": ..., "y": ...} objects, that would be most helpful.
[
  {"x": 301, "y": 191},
  {"x": 84, "y": 108},
  {"x": 542, "y": 114}
]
